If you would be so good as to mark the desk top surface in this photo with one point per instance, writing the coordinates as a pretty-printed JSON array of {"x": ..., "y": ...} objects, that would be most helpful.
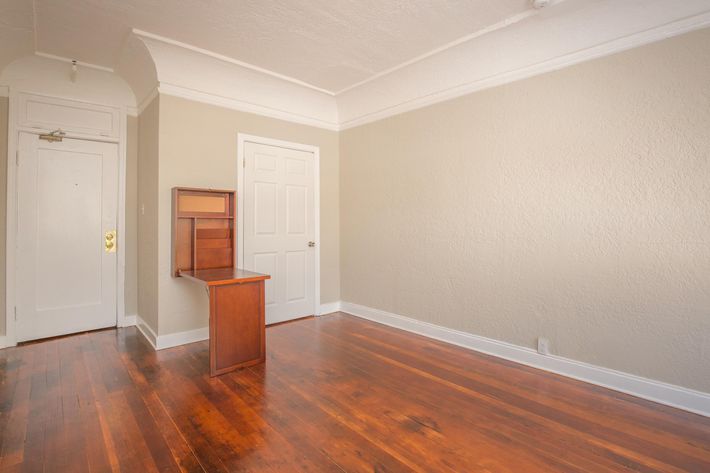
[{"x": 222, "y": 276}]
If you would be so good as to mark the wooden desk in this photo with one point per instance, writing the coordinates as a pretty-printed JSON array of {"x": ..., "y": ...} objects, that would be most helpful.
[{"x": 237, "y": 324}]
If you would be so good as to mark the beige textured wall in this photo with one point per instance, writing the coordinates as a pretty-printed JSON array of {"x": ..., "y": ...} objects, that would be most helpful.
[
  {"x": 4, "y": 106},
  {"x": 573, "y": 205},
  {"x": 147, "y": 214},
  {"x": 131, "y": 282},
  {"x": 198, "y": 148}
]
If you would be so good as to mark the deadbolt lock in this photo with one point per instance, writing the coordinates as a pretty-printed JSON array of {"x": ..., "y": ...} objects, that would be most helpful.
[{"x": 110, "y": 241}]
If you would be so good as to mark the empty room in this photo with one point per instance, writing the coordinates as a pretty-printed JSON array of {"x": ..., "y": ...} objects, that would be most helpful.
[{"x": 355, "y": 236}]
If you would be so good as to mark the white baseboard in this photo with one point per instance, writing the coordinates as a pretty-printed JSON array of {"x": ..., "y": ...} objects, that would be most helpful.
[
  {"x": 161, "y": 342},
  {"x": 329, "y": 308},
  {"x": 182, "y": 338},
  {"x": 147, "y": 332},
  {"x": 129, "y": 321},
  {"x": 5, "y": 342},
  {"x": 668, "y": 394}
]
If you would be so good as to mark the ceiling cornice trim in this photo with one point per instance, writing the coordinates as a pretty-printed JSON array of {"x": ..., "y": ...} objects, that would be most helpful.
[
  {"x": 240, "y": 105},
  {"x": 230, "y": 60},
  {"x": 375, "y": 108},
  {"x": 665, "y": 31}
]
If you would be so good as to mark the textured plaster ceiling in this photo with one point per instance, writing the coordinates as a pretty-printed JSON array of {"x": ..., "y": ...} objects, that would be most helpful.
[{"x": 331, "y": 44}]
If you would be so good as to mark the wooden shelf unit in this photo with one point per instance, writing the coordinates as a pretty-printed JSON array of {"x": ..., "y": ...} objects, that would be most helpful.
[
  {"x": 204, "y": 246},
  {"x": 204, "y": 229}
]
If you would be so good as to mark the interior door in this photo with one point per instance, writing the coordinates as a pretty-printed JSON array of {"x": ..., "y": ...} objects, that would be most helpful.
[
  {"x": 279, "y": 227},
  {"x": 66, "y": 260}
]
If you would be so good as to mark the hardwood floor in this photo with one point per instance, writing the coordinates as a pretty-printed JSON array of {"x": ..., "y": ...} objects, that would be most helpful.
[{"x": 336, "y": 394}]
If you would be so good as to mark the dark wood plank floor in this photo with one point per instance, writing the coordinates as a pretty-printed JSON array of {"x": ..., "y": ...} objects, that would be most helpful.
[{"x": 337, "y": 394}]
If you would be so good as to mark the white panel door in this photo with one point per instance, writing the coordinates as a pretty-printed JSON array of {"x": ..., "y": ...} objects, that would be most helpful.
[
  {"x": 67, "y": 196},
  {"x": 279, "y": 227}
]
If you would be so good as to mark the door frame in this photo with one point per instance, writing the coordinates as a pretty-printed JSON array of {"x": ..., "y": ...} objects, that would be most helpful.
[
  {"x": 242, "y": 139},
  {"x": 13, "y": 135}
]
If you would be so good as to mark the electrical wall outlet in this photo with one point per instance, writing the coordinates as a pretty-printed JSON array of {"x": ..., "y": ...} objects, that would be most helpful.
[{"x": 543, "y": 346}]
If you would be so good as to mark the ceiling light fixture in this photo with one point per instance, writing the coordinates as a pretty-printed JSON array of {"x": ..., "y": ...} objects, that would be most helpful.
[
  {"x": 539, "y": 4},
  {"x": 73, "y": 71}
]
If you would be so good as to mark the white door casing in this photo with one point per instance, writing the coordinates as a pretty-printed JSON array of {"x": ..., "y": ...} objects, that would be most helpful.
[
  {"x": 67, "y": 199},
  {"x": 279, "y": 226}
]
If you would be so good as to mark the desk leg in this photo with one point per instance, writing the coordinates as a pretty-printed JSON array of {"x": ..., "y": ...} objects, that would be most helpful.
[{"x": 237, "y": 326}]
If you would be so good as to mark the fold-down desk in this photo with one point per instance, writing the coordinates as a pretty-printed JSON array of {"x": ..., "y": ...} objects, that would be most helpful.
[
  {"x": 204, "y": 247},
  {"x": 236, "y": 316}
]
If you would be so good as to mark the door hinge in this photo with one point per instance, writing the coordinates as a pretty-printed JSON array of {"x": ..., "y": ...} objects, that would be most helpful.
[
  {"x": 17, "y": 157},
  {"x": 244, "y": 163},
  {"x": 15, "y": 314}
]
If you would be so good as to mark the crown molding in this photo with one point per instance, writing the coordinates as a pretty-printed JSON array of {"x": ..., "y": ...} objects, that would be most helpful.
[
  {"x": 229, "y": 103},
  {"x": 242, "y": 106},
  {"x": 622, "y": 44},
  {"x": 522, "y": 46},
  {"x": 223, "y": 58}
]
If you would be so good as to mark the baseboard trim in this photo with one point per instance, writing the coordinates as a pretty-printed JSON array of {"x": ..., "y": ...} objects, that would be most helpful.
[
  {"x": 657, "y": 391},
  {"x": 5, "y": 342},
  {"x": 329, "y": 308},
  {"x": 129, "y": 321},
  {"x": 146, "y": 331},
  {"x": 182, "y": 338},
  {"x": 161, "y": 342}
]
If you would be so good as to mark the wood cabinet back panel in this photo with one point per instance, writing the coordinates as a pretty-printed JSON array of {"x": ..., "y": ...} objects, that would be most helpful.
[{"x": 213, "y": 258}]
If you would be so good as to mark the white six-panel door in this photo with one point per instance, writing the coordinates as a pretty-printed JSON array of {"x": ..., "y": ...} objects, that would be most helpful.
[
  {"x": 279, "y": 227},
  {"x": 67, "y": 201}
]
